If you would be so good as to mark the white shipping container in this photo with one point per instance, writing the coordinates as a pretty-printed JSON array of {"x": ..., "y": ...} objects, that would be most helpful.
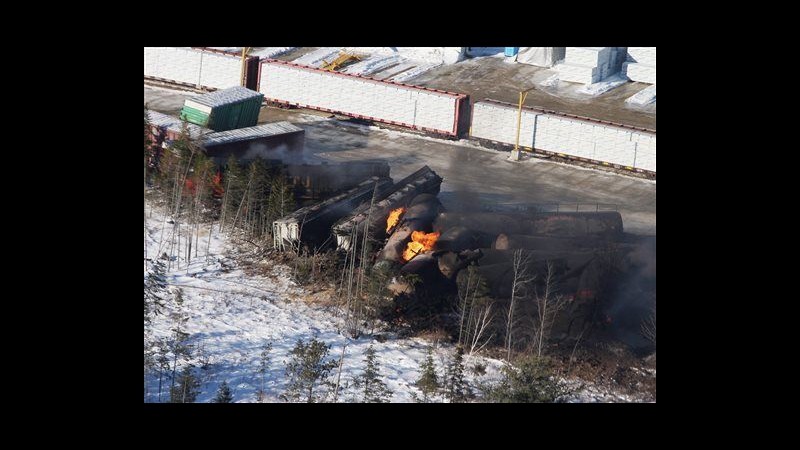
[{"x": 354, "y": 96}]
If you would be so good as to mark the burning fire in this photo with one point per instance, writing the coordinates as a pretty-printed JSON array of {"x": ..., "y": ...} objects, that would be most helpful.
[
  {"x": 420, "y": 242},
  {"x": 394, "y": 217}
]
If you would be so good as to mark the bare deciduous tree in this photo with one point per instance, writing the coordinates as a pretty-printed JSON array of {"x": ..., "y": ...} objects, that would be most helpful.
[
  {"x": 548, "y": 303},
  {"x": 475, "y": 309},
  {"x": 481, "y": 318},
  {"x": 649, "y": 326},
  {"x": 519, "y": 285}
]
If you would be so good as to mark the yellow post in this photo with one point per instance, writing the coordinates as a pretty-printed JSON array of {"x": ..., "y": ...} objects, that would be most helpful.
[
  {"x": 245, "y": 50},
  {"x": 522, "y": 96},
  {"x": 519, "y": 117}
]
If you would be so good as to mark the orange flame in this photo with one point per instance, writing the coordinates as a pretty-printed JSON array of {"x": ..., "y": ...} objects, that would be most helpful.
[
  {"x": 394, "y": 217},
  {"x": 420, "y": 242}
]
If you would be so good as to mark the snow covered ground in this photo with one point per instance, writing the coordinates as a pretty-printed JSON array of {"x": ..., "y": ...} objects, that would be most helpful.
[
  {"x": 388, "y": 63},
  {"x": 559, "y": 87},
  {"x": 374, "y": 63},
  {"x": 262, "y": 52},
  {"x": 231, "y": 315},
  {"x": 318, "y": 57},
  {"x": 603, "y": 86},
  {"x": 271, "y": 52}
]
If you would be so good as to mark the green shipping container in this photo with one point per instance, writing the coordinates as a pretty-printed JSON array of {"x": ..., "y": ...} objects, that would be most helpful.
[{"x": 227, "y": 109}]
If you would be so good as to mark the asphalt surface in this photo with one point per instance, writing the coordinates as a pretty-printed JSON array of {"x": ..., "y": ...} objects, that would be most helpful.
[{"x": 474, "y": 178}]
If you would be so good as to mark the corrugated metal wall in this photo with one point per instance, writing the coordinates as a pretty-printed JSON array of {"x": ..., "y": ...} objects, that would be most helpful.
[
  {"x": 359, "y": 97},
  {"x": 569, "y": 136}
]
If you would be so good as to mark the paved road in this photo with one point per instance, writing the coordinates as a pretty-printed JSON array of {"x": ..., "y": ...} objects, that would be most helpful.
[{"x": 473, "y": 177}]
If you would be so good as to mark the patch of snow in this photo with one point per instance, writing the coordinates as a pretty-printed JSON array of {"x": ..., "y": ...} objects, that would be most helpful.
[
  {"x": 603, "y": 86},
  {"x": 318, "y": 57},
  {"x": 415, "y": 72},
  {"x": 430, "y": 55},
  {"x": 644, "y": 97},
  {"x": 588, "y": 392},
  {"x": 551, "y": 81},
  {"x": 271, "y": 52},
  {"x": 372, "y": 64}
]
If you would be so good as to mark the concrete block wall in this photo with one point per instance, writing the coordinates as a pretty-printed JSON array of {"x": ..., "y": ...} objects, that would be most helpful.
[{"x": 569, "y": 136}]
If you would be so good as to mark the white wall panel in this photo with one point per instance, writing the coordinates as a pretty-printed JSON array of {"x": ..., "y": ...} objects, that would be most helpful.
[
  {"x": 186, "y": 65},
  {"x": 358, "y": 97},
  {"x": 569, "y": 136}
]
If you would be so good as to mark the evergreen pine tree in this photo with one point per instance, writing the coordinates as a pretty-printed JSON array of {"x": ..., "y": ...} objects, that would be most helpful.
[
  {"x": 378, "y": 299},
  {"x": 168, "y": 166},
  {"x": 531, "y": 381},
  {"x": 203, "y": 176},
  {"x": 370, "y": 385},
  {"x": 280, "y": 201},
  {"x": 263, "y": 367},
  {"x": 184, "y": 146},
  {"x": 186, "y": 389},
  {"x": 428, "y": 382},
  {"x": 149, "y": 362},
  {"x": 224, "y": 394},
  {"x": 307, "y": 370},
  {"x": 162, "y": 363},
  {"x": 154, "y": 283},
  {"x": 456, "y": 389},
  {"x": 234, "y": 186},
  {"x": 259, "y": 179},
  {"x": 146, "y": 132},
  {"x": 177, "y": 344}
]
